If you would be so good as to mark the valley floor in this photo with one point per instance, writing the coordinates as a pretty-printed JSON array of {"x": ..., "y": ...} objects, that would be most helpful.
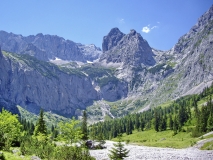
[{"x": 143, "y": 152}]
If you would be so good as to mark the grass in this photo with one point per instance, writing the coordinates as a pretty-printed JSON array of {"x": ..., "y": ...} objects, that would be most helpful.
[
  {"x": 209, "y": 136},
  {"x": 11, "y": 156},
  {"x": 207, "y": 146},
  {"x": 160, "y": 139}
]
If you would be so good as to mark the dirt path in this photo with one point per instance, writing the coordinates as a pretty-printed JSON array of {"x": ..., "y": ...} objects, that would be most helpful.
[{"x": 152, "y": 153}]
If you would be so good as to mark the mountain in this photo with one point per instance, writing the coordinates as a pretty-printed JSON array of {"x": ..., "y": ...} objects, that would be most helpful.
[
  {"x": 35, "y": 84},
  {"x": 46, "y": 47},
  {"x": 192, "y": 57},
  {"x": 129, "y": 76},
  {"x": 130, "y": 49}
]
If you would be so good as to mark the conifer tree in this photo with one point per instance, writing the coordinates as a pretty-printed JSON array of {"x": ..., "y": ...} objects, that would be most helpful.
[
  {"x": 40, "y": 126},
  {"x": 84, "y": 126},
  {"x": 210, "y": 122},
  {"x": 118, "y": 152},
  {"x": 170, "y": 122},
  {"x": 175, "y": 125}
]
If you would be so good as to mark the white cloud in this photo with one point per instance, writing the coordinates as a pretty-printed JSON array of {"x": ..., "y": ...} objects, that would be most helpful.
[
  {"x": 148, "y": 28},
  {"x": 121, "y": 21},
  {"x": 158, "y": 22}
]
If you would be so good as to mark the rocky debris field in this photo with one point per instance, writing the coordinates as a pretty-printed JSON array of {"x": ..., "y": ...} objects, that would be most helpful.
[{"x": 143, "y": 152}]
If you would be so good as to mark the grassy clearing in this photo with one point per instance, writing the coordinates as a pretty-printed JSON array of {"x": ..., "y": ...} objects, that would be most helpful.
[
  {"x": 160, "y": 139},
  {"x": 209, "y": 136},
  {"x": 11, "y": 156},
  {"x": 207, "y": 146}
]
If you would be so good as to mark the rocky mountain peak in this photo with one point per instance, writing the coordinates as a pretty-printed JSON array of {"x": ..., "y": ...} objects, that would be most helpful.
[
  {"x": 111, "y": 40},
  {"x": 132, "y": 32},
  {"x": 46, "y": 47},
  {"x": 201, "y": 29},
  {"x": 130, "y": 49}
]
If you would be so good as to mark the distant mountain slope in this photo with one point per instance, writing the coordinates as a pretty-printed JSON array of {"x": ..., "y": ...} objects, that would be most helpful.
[
  {"x": 35, "y": 84},
  {"x": 46, "y": 47}
]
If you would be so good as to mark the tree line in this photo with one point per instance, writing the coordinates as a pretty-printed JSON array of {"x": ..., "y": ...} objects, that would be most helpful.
[
  {"x": 38, "y": 140},
  {"x": 182, "y": 111}
]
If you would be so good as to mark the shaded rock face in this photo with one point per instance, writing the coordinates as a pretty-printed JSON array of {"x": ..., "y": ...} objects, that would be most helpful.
[
  {"x": 112, "y": 39},
  {"x": 113, "y": 92},
  {"x": 130, "y": 49},
  {"x": 194, "y": 51},
  {"x": 35, "y": 84},
  {"x": 54, "y": 91},
  {"x": 46, "y": 47},
  {"x": 90, "y": 52}
]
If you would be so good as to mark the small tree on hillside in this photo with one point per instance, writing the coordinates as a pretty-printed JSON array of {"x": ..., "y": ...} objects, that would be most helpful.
[
  {"x": 40, "y": 126},
  {"x": 70, "y": 131},
  {"x": 118, "y": 152},
  {"x": 10, "y": 129},
  {"x": 84, "y": 126}
]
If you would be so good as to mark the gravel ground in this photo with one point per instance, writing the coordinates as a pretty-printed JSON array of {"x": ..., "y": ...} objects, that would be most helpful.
[{"x": 152, "y": 153}]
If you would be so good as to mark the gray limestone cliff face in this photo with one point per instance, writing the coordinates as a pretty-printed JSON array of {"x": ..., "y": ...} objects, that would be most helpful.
[
  {"x": 195, "y": 53},
  {"x": 193, "y": 56},
  {"x": 114, "y": 91},
  {"x": 35, "y": 84},
  {"x": 6, "y": 103},
  {"x": 90, "y": 52},
  {"x": 44, "y": 87},
  {"x": 46, "y": 47},
  {"x": 130, "y": 49}
]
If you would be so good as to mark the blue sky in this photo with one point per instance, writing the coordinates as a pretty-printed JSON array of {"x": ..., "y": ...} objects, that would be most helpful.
[{"x": 160, "y": 22}]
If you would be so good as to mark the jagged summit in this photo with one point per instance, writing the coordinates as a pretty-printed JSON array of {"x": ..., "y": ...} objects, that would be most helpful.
[
  {"x": 112, "y": 39},
  {"x": 46, "y": 47},
  {"x": 129, "y": 49}
]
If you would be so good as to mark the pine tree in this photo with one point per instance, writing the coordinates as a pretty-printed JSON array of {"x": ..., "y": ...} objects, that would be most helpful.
[
  {"x": 84, "y": 126},
  {"x": 170, "y": 122},
  {"x": 156, "y": 121},
  {"x": 210, "y": 122},
  {"x": 40, "y": 126},
  {"x": 118, "y": 152},
  {"x": 175, "y": 125}
]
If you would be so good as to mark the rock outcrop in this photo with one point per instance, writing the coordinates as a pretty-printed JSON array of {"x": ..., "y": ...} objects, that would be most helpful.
[
  {"x": 112, "y": 39},
  {"x": 130, "y": 49}
]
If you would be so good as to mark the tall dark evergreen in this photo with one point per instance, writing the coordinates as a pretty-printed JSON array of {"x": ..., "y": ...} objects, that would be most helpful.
[
  {"x": 171, "y": 122},
  {"x": 40, "y": 126},
  {"x": 84, "y": 126}
]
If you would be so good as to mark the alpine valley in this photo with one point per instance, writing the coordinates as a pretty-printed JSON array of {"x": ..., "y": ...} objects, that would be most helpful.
[{"x": 126, "y": 76}]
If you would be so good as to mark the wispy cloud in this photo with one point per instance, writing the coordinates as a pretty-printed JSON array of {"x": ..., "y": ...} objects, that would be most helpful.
[
  {"x": 121, "y": 21},
  {"x": 158, "y": 22},
  {"x": 148, "y": 28},
  {"x": 154, "y": 27}
]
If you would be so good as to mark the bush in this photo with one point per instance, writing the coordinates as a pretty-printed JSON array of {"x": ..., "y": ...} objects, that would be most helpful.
[
  {"x": 45, "y": 149},
  {"x": 196, "y": 132},
  {"x": 2, "y": 157}
]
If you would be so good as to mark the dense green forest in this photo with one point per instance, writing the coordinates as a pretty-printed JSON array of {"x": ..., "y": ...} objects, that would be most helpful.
[
  {"x": 183, "y": 115},
  {"x": 40, "y": 141}
]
